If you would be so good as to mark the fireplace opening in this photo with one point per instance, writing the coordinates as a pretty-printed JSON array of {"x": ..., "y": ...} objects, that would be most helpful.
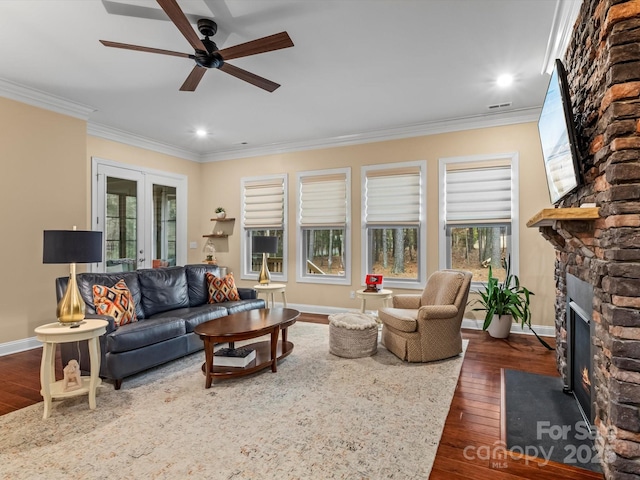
[
  {"x": 581, "y": 362},
  {"x": 579, "y": 355}
]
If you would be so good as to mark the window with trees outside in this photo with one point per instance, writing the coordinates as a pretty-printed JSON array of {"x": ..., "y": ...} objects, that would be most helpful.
[
  {"x": 264, "y": 208},
  {"x": 478, "y": 214},
  {"x": 323, "y": 222},
  {"x": 394, "y": 222}
]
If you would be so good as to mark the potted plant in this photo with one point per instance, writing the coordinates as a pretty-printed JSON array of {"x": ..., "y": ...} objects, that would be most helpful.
[
  {"x": 220, "y": 212},
  {"x": 505, "y": 303}
]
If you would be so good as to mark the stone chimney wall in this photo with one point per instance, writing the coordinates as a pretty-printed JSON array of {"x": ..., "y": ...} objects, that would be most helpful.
[{"x": 603, "y": 68}]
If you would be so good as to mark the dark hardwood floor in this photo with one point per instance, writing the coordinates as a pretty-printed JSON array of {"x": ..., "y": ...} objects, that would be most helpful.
[{"x": 473, "y": 420}]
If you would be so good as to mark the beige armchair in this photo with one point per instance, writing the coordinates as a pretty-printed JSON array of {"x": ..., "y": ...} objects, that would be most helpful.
[{"x": 423, "y": 328}]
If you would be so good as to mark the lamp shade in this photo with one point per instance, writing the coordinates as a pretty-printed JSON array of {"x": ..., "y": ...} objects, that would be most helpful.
[
  {"x": 264, "y": 245},
  {"x": 72, "y": 246}
]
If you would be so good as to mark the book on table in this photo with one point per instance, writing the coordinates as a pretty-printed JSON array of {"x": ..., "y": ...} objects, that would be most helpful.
[{"x": 234, "y": 357}]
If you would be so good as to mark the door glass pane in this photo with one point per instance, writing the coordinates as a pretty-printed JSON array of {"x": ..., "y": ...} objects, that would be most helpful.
[
  {"x": 121, "y": 224},
  {"x": 164, "y": 226}
]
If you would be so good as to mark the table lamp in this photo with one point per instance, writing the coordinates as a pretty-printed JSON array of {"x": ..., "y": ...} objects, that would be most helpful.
[
  {"x": 264, "y": 245},
  {"x": 71, "y": 246}
]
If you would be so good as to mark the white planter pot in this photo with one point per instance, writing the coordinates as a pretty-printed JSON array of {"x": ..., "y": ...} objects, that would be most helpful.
[
  {"x": 500, "y": 326},
  {"x": 221, "y": 215}
]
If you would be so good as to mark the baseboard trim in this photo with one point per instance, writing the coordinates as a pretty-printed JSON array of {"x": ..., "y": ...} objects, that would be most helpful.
[
  {"x": 542, "y": 330},
  {"x": 19, "y": 346}
]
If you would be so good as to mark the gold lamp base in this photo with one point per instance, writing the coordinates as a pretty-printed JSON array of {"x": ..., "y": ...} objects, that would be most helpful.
[
  {"x": 264, "y": 277},
  {"x": 71, "y": 307}
]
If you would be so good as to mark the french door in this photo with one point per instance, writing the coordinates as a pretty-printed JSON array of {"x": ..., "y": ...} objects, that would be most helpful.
[{"x": 142, "y": 214}]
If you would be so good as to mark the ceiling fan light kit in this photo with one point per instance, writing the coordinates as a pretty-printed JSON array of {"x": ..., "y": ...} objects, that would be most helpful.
[{"x": 206, "y": 54}]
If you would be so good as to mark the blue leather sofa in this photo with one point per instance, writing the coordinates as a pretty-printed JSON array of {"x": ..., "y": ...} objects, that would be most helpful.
[{"x": 170, "y": 303}]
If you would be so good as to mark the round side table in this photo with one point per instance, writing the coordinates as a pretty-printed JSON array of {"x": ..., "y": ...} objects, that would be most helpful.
[
  {"x": 270, "y": 289},
  {"x": 54, "y": 333},
  {"x": 384, "y": 295}
]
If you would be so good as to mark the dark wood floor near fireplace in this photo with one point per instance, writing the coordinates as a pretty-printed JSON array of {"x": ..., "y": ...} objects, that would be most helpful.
[{"x": 474, "y": 418}]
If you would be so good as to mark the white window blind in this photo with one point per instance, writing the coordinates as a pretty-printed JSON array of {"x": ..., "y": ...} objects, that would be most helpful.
[
  {"x": 264, "y": 204},
  {"x": 323, "y": 201},
  {"x": 478, "y": 194},
  {"x": 392, "y": 198}
]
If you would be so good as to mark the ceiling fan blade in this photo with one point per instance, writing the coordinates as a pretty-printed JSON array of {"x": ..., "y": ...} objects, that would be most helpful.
[
  {"x": 249, "y": 77},
  {"x": 177, "y": 16},
  {"x": 138, "y": 48},
  {"x": 261, "y": 45},
  {"x": 193, "y": 79}
]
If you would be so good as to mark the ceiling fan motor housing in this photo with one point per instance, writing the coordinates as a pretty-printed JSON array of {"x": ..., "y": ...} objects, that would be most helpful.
[
  {"x": 207, "y": 27},
  {"x": 211, "y": 58}
]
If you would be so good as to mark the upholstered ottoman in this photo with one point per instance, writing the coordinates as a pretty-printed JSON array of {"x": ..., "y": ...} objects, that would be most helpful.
[{"x": 353, "y": 335}]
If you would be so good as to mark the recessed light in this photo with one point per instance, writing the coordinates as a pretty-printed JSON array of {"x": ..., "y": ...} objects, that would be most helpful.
[
  {"x": 504, "y": 80},
  {"x": 201, "y": 132}
]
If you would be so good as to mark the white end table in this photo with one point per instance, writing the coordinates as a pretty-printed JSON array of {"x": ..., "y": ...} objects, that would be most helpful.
[
  {"x": 54, "y": 333},
  {"x": 270, "y": 289},
  {"x": 384, "y": 295}
]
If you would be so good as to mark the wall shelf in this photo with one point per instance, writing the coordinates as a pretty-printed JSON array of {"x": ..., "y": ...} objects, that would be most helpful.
[
  {"x": 548, "y": 216},
  {"x": 215, "y": 235},
  {"x": 225, "y": 219}
]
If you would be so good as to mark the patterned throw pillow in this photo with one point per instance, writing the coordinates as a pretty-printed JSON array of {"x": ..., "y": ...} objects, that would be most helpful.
[
  {"x": 222, "y": 289},
  {"x": 116, "y": 302}
]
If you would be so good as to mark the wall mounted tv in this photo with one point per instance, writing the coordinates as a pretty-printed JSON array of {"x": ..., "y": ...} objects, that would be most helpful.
[{"x": 558, "y": 137}]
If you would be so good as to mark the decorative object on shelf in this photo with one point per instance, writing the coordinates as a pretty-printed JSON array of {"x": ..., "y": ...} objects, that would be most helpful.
[
  {"x": 71, "y": 246},
  {"x": 210, "y": 253},
  {"x": 219, "y": 232},
  {"x": 264, "y": 245},
  {"x": 373, "y": 282},
  {"x": 72, "y": 376},
  {"x": 234, "y": 357},
  {"x": 505, "y": 303},
  {"x": 220, "y": 212}
]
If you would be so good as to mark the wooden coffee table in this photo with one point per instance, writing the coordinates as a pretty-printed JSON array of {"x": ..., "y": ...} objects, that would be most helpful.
[{"x": 244, "y": 326}]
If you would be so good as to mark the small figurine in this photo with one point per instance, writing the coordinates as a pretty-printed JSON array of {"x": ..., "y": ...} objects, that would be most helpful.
[{"x": 72, "y": 376}]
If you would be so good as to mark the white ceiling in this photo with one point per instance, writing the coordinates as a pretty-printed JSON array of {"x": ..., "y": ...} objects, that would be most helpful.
[{"x": 359, "y": 68}]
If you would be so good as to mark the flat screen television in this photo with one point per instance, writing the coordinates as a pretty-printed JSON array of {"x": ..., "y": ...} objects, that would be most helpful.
[{"x": 558, "y": 137}]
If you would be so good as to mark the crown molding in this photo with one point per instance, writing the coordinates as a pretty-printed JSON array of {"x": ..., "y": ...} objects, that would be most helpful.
[
  {"x": 60, "y": 105},
  {"x": 38, "y": 98},
  {"x": 121, "y": 136},
  {"x": 414, "y": 130},
  {"x": 564, "y": 20}
]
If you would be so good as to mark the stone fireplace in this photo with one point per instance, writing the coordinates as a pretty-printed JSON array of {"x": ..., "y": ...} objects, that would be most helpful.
[{"x": 603, "y": 68}]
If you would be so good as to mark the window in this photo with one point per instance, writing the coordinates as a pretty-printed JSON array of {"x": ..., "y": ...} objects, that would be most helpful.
[
  {"x": 393, "y": 209},
  {"x": 479, "y": 214},
  {"x": 323, "y": 222},
  {"x": 264, "y": 209}
]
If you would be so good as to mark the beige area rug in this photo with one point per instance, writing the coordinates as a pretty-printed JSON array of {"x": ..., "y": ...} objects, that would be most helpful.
[{"x": 318, "y": 417}]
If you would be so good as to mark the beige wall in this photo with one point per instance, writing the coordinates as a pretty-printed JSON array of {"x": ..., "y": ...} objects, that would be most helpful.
[
  {"x": 45, "y": 180},
  {"x": 536, "y": 255},
  {"x": 43, "y": 185}
]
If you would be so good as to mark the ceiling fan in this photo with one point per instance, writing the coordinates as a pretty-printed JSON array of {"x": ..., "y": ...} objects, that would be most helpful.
[{"x": 206, "y": 53}]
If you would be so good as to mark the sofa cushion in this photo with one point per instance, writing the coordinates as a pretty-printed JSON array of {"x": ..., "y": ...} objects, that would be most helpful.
[
  {"x": 146, "y": 332},
  {"x": 243, "y": 305},
  {"x": 403, "y": 319},
  {"x": 194, "y": 316},
  {"x": 163, "y": 289},
  {"x": 222, "y": 289},
  {"x": 86, "y": 281},
  {"x": 198, "y": 286},
  {"x": 116, "y": 302}
]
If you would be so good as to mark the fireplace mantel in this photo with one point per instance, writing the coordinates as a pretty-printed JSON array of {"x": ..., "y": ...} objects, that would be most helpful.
[{"x": 548, "y": 216}]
